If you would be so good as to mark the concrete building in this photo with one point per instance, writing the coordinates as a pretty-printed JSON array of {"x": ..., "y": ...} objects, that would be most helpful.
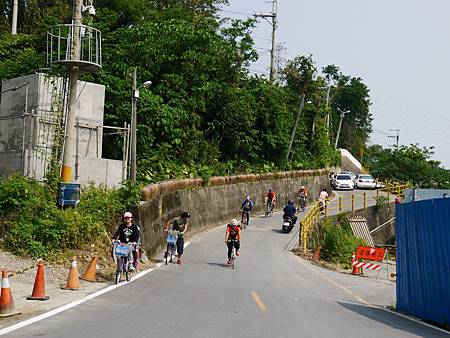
[{"x": 32, "y": 113}]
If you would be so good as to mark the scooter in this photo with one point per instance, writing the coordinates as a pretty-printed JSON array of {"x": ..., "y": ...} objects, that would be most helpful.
[{"x": 288, "y": 224}]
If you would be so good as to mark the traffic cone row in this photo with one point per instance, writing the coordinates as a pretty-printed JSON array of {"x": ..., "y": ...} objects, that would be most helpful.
[{"x": 7, "y": 308}]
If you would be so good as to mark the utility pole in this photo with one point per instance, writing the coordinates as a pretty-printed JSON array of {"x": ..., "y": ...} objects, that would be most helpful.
[
  {"x": 69, "y": 149},
  {"x": 328, "y": 108},
  {"x": 396, "y": 137},
  {"x": 14, "y": 17},
  {"x": 134, "y": 99},
  {"x": 274, "y": 24},
  {"x": 339, "y": 129},
  {"x": 302, "y": 104}
]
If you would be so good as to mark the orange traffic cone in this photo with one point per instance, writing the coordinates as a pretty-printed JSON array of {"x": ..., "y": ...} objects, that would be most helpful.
[
  {"x": 39, "y": 284},
  {"x": 73, "y": 282},
  {"x": 355, "y": 271},
  {"x": 6, "y": 299},
  {"x": 91, "y": 270}
]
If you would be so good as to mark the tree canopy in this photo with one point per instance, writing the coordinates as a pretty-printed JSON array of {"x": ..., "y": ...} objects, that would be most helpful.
[{"x": 205, "y": 113}]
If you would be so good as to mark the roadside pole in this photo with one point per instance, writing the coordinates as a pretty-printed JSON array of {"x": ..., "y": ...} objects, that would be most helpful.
[
  {"x": 302, "y": 103},
  {"x": 134, "y": 98},
  {"x": 69, "y": 149}
]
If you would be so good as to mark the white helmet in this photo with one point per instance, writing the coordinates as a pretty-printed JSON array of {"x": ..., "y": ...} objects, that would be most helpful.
[
  {"x": 234, "y": 222},
  {"x": 303, "y": 187},
  {"x": 128, "y": 215}
]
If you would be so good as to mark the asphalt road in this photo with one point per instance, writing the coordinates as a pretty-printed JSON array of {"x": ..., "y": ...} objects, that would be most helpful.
[{"x": 271, "y": 293}]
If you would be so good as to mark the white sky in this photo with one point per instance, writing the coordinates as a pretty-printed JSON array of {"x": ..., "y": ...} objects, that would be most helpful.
[{"x": 401, "y": 49}]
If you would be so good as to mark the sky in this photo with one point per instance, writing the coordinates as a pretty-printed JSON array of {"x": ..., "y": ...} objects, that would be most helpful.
[{"x": 400, "y": 48}]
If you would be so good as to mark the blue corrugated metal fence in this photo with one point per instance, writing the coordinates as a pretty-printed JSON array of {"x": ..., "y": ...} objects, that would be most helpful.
[{"x": 423, "y": 259}]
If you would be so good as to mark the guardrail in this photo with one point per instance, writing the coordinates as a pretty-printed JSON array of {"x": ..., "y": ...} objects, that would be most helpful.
[{"x": 347, "y": 203}]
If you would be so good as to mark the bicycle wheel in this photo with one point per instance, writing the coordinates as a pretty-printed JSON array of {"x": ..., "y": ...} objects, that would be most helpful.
[
  {"x": 233, "y": 258},
  {"x": 118, "y": 269}
]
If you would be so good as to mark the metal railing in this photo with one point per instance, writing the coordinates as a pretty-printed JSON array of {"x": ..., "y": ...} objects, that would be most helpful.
[
  {"x": 59, "y": 46},
  {"x": 348, "y": 203}
]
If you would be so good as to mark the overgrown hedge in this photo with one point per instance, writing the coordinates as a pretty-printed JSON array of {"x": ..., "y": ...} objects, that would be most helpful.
[
  {"x": 336, "y": 238},
  {"x": 36, "y": 227}
]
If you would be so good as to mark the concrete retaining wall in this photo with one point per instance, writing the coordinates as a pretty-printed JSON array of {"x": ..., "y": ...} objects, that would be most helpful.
[
  {"x": 216, "y": 203},
  {"x": 377, "y": 216}
]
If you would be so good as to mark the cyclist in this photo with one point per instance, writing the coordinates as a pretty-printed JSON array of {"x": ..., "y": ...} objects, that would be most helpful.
[
  {"x": 246, "y": 207},
  {"x": 129, "y": 233},
  {"x": 323, "y": 197},
  {"x": 289, "y": 211},
  {"x": 271, "y": 197},
  {"x": 179, "y": 224},
  {"x": 233, "y": 238},
  {"x": 303, "y": 196}
]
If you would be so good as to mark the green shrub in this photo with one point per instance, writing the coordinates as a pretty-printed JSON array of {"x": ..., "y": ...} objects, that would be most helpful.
[
  {"x": 37, "y": 227},
  {"x": 337, "y": 240}
]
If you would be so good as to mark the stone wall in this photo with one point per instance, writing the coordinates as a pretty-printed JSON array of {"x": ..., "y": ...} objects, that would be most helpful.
[{"x": 216, "y": 203}]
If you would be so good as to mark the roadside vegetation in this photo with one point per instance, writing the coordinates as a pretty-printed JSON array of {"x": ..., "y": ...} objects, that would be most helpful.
[
  {"x": 335, "y": 237},
  {"x": 36, "y": 227}
]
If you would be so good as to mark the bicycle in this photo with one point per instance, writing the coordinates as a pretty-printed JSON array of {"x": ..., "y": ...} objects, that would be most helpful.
[
  {"x": 269, "y": 208},
  {"x": 172, "y": 238},
  {"x": 244, "y": 220},
  {"x": 233, "y": 255},
  {"x": 121, "y": 255}
]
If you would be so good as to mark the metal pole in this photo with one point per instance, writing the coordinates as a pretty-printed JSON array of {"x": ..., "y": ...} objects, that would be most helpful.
[
  {"x": 365, "y": 200},
  {"x": 14, "y": 17},
  {"x": 134, "y": 97},
  {"x": 340, "y": 203},
  {"x": 302, "y": 103},
  {"x": 353, "y": 202},
  {"x": 69, "y": 149},
  {"x": 339, "y": 129}
]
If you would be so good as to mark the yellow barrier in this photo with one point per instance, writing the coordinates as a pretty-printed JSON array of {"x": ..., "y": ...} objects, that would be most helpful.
[{"x": 347, "y": 203}]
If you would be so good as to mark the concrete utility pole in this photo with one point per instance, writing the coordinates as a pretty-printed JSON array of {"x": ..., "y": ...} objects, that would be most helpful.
[
  {"x": 339, "y": 129},
  {"x": 14, "y": 17},
  {"x": 396, "y": 137},
  {"x": 69, "y": 148},
  {"x": 134, "y": 99},
  {"x": 274, "y": 24},
  {"x": 328, "y": 108},
  {"x": 302, "y": 104}
]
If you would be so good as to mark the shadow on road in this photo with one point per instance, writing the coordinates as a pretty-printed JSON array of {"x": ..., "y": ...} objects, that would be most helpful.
[
  {"x": 222, "y": 265},
  {"x": 393, "y": 320}
]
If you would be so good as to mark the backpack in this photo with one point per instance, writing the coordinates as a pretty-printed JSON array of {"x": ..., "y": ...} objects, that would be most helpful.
[{"x": 233, "y": 232}]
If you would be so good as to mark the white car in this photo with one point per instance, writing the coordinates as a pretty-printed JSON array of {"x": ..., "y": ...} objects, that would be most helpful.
[
  {"x": 364, "y": 181},
  {"x": 343, "y": 182}
]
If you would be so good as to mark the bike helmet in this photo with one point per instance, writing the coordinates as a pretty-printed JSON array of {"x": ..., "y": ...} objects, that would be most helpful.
[
  {"x": 185, "y": 214},
  {"x": 303, "y": 187},
  {"x": 234, "y": 222},
  {"x": 270, "y": 189},
  {"x": 128, "y": 215},
  {"x": 290, "y": 202},
  {"x": 247, "y": 198}
]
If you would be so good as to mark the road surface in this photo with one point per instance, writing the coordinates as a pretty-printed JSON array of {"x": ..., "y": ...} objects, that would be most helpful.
[{"x": 271, "y": 293}]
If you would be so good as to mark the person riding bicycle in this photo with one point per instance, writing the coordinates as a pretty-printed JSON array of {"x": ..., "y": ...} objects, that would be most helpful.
[
  {"x": 303, "y": 196},
  {"x": 233, "y": 238},
  {"x": 246, "y": 207},
  {"x": 179, "y": 224},
  {"x": 129, "y": 233},
  {"x": 323, "y": 197},
  {"x": 289, "y": 211},
  {"x": 271, "y": 197}
]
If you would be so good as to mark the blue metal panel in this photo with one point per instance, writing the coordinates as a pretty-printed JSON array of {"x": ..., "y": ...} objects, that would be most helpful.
[{"x": 423, "y": 259}]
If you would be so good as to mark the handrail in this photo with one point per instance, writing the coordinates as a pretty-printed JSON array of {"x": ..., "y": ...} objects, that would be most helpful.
[{"x": 313, "y": 213}]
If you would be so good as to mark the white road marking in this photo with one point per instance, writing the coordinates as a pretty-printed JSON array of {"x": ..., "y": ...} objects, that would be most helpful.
[{"x": 77, "y": 302}]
